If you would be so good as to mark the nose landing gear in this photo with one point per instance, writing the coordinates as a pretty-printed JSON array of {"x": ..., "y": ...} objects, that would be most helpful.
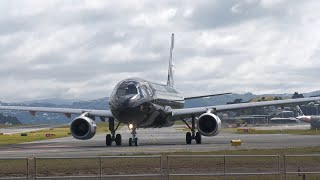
[
  {"x": 134, "y": 139},
  {"x": 117, "y": 137}
]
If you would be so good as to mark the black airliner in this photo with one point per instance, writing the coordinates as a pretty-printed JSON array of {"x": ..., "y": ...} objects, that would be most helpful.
[{"x": 143, "y": 104}]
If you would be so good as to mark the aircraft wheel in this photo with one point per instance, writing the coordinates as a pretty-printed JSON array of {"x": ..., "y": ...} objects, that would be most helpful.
[
  {"x": 136, "y": 141},
  {"x": 108, "y": 140},
  {"x": 198, "y": 138},
  {"x": 130, "y": 141},
  {"x": 118, "y": 140},
  {"x": 188, "y": 138}
]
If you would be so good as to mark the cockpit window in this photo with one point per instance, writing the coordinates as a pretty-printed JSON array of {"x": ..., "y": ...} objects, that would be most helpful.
[
  {"x": 126, "y": 89},
  {"x": 144, "y": 90}
]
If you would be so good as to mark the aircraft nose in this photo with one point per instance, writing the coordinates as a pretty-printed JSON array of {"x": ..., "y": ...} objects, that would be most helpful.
[
  {"x": 125, "y": 102},
  {"x": 128, "y": 114}
]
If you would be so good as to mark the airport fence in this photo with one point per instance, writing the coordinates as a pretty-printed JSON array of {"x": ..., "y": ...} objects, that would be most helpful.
[
  {"x": 223, "y": 165},
  {"x": 162, "y": 167},
  {"x": 14, "y": 168}
]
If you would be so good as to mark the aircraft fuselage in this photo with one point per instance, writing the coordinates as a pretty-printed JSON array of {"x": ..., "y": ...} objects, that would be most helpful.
[
  {"x": 314, "y": 120},
  {"x": 143, "y": 103}
]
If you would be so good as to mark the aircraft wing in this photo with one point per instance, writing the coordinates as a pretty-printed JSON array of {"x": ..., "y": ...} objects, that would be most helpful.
[
  {"x": 66, "y": 111},
  {"x": 204, "y": 96},
  {"x": 228, "y": 107}
]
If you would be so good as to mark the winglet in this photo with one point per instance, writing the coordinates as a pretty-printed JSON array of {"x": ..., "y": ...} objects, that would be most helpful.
[{"x": 170, "y": 81}]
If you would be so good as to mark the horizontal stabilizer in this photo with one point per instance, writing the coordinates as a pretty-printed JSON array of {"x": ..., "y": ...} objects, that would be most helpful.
[{"x": 204, "y": 96}]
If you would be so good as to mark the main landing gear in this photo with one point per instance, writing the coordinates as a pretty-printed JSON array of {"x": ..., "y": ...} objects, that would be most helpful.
[
  {"x": 134, "y": 139},
  {"x": 113, "y": 136},
  {"x": 192, "y": 135}
]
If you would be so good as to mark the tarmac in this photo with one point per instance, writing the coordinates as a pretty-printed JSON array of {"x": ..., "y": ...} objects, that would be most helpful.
[
  {"x": 155, "y": 141},
  {"x": 29, "y": 128}
]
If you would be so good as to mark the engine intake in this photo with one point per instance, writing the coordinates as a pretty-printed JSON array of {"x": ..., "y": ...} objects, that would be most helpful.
[
  {"x": 83, "y": 128},
  {"x": 209, "y": 124}
]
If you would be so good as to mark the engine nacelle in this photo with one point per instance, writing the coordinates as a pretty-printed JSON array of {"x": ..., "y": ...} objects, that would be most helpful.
[
  {"x": 209, "y": 124},
  {"x": 83, "y": 128}
]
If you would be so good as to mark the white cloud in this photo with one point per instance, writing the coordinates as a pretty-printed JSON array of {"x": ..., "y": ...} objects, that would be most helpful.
[
  {"x": 154, "y": 19},
  {"x": 81, "y": 49},
  {"x": 271, "y": 3},
  {"x": 188, "y": 12}
]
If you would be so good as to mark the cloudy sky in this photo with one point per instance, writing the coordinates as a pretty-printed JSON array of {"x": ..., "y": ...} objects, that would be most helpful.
[{"x": 81, "y": 49}]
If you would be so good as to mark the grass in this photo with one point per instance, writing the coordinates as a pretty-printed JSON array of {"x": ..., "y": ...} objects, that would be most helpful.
[
  {"x": 259, "y": 131},
  {"x": 266, "y": 98},
  {"x": 125, "y": 166},
  {"x": 249, "y": 164},
  {"x": 57, "y": 132},
  {"x": 280, "y": 151},
  {"x": 227, "y": 130},
  {"x": 282, "y": 131},
  {"x": 34, "y": 136}
]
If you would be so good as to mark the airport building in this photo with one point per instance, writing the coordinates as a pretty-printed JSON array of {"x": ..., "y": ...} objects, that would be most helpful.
[{"x": 249, "y": 119}]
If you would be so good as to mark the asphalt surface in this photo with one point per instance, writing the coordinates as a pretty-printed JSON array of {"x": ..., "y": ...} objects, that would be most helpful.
[{"x": 154, "y": 141}]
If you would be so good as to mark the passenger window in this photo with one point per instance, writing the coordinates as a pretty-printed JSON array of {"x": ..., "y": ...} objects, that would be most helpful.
[{"x": 149, "y": 90}]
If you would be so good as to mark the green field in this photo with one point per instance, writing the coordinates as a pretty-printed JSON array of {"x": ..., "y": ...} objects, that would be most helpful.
[
  {"x": 280, "y": 151},
  {"x": 57, "y": 132},
  {"x": 283, "y": 131}
]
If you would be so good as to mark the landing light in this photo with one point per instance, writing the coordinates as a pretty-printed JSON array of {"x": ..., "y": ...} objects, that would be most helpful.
[{"x": 130, "y": 126}]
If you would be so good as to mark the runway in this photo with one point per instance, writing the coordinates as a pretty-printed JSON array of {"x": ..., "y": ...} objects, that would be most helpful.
[
  {"x": 154, "y": 141},
  {"x": 30, "y": 128}
]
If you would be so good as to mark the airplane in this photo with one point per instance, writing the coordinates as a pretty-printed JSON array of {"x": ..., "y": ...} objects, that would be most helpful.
[
  {"x": 139, "y": 103},
  {"x": 314, "y": 120}
]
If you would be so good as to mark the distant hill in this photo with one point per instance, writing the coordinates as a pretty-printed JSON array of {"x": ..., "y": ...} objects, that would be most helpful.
[
  {"x": 314, "y": 93},
  {"x": 102, "y": 104},
  {"x": 53, "y": 118},
  {"x": 218, "y": 100},
  {"x": 4, "y": 119},
  {"x": 57, "y": 101}
]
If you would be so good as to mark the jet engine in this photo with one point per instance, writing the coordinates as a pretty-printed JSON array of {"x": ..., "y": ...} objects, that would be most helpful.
[
  {"x": 209, "y": 124},
  {"x": 83, "y": 128}
]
